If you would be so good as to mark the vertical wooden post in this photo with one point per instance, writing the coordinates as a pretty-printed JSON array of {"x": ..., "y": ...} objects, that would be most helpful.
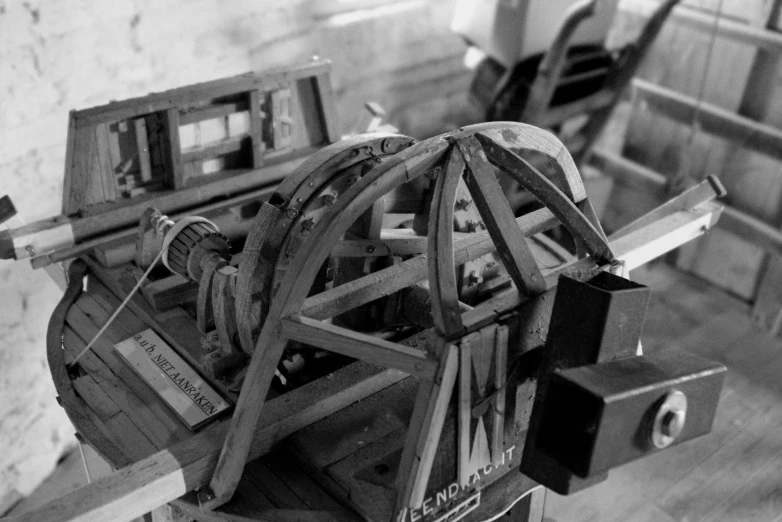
[
  {"x": 423, "y": 435},
  {"x": 256, "y": 127},
  {"x": 173, "y": 151}
]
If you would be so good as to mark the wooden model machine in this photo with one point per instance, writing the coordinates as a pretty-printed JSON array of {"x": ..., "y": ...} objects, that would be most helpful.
[{"x": 346, "y": 330}]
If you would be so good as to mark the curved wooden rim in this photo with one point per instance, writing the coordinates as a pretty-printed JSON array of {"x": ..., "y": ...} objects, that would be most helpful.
[
  {"x": 81, "y": 415},
  {"x": 275, "y": 220},
  {"x": 294, "y": 287}
]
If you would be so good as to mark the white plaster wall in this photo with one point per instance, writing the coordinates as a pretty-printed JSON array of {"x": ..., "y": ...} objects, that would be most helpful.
[{"x": 58, "y": 55}]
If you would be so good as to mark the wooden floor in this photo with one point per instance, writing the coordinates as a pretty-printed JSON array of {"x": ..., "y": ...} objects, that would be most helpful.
[{"x": 733, "y": 474}]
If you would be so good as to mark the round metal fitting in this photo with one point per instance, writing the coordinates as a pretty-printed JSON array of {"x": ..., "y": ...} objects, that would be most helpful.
[{"x": 669, "y": 419}]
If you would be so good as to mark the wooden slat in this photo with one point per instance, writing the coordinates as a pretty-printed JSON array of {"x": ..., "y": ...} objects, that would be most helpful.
[
  {"x": 732, "y": 220},
  {"x": 386, "y": 281},
  {"x": 169, "y": 474},
  {"x": 497, "y": 215},
  {"x": 127, "y": 389},
  {"x": 182, "y": 97},
  {"x": 104, "y": 162},
  {"x": 710, "y": 118},
  {"x": 725, "y": 26},
  {"x": 210, "y": 112},
  {"x": 550, "y": 195},
  {"x": 134, "y": 441},
  {"x": 464, "y": 413},
  {"x": 256, "y": 127},
  {"x": 360, "y": 346},
  {"x": 97, "y": 399},
  {"x": 219, "y": 148},
  {"x": 142, "y": 143},
  {"x": 423, "y": 436},
  {"x": 172, "y": 153},
  {"x": 440, "y": 262}
]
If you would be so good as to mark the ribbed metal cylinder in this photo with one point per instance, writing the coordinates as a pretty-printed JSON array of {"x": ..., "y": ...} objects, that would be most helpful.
[{"x": 191, "y": 244}]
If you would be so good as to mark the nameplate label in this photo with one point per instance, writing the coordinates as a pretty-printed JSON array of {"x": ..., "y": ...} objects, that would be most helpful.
[{"x": 174, "y": 380}]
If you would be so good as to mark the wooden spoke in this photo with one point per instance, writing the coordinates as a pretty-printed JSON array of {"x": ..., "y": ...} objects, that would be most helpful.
[
  {"x": 360, "y": 346},
  {"x": 423, "y": 435},
  {"x": 442, "y": 271},
  {"x": 389, "y": 280},
  {"x": 498, "y": 217},
  {"x": 548, "y": 194}
]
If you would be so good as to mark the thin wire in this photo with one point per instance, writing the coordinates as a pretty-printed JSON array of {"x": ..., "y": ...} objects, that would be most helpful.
[
  {"x": 702, "y": 90},
  {"x": 118, "y": 310}
]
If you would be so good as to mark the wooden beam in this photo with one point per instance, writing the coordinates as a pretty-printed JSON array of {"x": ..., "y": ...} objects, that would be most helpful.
[
  {"x": 711, "y": 119},
  {"x": 687, "y": 16},
  {"x": 384, "y": 282},
  {"x": 167, "y": 475},
  {"x": 732, "y": 220},
  {"x": 495, "y": 210},
  {"x": 360, "y": 346}
]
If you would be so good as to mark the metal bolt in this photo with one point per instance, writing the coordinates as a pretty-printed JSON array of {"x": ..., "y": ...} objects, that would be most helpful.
[
  {"x": 291, "y": 212},
  {"x": 669, "y": 419},
  {"x": 371, "y": 249},
  {"x": 672, "y": 423}
]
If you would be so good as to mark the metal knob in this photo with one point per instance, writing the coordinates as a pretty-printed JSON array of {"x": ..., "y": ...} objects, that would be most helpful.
[{"x": 669, "y": 419}]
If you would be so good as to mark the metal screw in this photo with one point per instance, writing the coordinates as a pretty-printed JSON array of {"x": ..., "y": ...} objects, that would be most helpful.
[
  {"x": 291, "y": 212},
  {"x": 371, "y": 249},
  {"x": 672, "y": 423}
]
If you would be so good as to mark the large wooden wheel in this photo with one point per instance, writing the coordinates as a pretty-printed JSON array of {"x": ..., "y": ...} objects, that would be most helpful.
[{"x": 280, "y": 286}]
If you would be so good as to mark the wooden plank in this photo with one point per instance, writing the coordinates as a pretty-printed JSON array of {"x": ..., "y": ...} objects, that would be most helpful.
[
  {"x": 283, "y": 463},
  {"x": 554, "y": 197},
  {"x": 440, "y": 262},
  {"x": 104, "y": 161},
  {"x": 169, "y": 474},
  {"x": 464, "y": 410},
  {"x": 328, "y": 108},
  {"x": 273, "y": 488},
  {"x": 132, "y": 439},
  {"x": 138, "y": 400},
  {"x": 97, "y": 399},
  {"x": 209, "y": 112},
  {"x": 498, "y": 413},
  {"x": 386, "y": 281},
  {"x": 423, "y": 436},
  {"x": 92, "y": 226},
  {"x": 142, "y": 143},
  {"x": 172, "y": 151},
  {"x": 256, "y": 127},
  {"x": 183, "y": 96},
  {"x": 725, "y": 26},
  {"x": 219, "y": 148},
  {"x": 169, "y": 292},
  {"x": 710, "y": 118},
  {"x": 496, "y": 213},
  {"x": 360, "y": 346},
  {"x": 223, "y": 284}
]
